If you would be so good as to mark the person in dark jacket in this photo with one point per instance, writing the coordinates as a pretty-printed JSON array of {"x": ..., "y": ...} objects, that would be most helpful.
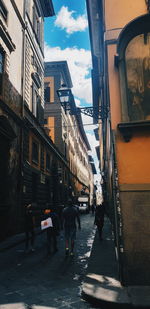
[
  {"x": 53, "y": 231},
  {"x": 93, "y": 208},
  {"x": 99, "y": 218},
  {"x": 70, "y": 216},
  {"x": 29, "y": 227}
]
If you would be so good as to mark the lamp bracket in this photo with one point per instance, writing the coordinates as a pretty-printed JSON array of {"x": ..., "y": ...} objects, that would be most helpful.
[{"x": 102, "y": 113}]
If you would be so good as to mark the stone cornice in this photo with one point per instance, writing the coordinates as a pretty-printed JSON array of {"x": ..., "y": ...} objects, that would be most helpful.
[{"x": 47, "y": 8}]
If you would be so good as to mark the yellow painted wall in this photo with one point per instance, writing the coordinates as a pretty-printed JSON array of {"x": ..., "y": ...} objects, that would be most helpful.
[
  {"x": 50, "y": 125},
  {"x": 119, "y": 12}
]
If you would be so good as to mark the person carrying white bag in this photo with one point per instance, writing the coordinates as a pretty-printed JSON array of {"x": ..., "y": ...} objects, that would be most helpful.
[{"x": 51, "y": 224}]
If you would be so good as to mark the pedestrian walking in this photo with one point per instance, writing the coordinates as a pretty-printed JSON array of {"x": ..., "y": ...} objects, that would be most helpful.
[
  {"x": 70, "y": 216},
  {"x": 29, "y": 228},
  {"x": 53, "y": 230},
  {"x": 93, "y": 208},
  {"x": 99, "y": 218}
]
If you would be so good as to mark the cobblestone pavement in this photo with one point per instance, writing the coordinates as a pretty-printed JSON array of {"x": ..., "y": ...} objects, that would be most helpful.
[{"x": 38, "y": 281}]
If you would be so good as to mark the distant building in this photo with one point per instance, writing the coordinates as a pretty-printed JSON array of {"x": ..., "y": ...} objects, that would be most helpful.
[
  {"x": 56, "y": 74},
  {"x": 66, "y": 127}
]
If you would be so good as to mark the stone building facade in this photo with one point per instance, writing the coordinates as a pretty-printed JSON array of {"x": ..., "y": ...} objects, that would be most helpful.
[
  {"x": 29, "y": 161},
  {"x": 11, "y": 46}
]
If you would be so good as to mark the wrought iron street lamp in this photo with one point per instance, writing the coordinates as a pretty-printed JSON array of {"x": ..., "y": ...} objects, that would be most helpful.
[{"x": 64, "y": 94}]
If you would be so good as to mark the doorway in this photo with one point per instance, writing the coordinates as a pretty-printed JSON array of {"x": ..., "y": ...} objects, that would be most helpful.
[{"x": 4, "y": 184}]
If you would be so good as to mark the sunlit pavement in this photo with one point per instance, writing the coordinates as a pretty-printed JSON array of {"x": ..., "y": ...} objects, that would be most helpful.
[
  {"x": 101, "y": 284},
  {"x": 38, "y": 281}
]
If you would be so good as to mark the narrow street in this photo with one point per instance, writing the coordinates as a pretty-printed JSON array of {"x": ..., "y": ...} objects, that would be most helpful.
[
  {"x": 35, "y": 280},
  {"x": 75, "y": 130}
]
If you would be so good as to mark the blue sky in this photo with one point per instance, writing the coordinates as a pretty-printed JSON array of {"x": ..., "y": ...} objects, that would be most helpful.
[
  {"x": 66, "y": 37},
  {"x": 79, "y": 38}
]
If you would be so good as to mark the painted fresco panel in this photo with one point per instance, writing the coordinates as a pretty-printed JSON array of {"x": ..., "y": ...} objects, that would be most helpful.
[{"x": 137, "y": 57}]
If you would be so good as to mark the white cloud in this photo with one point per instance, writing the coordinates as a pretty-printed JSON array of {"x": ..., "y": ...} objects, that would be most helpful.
[
  {"x": 66, "y": 21},
  {"x": 79, "y": 63}
]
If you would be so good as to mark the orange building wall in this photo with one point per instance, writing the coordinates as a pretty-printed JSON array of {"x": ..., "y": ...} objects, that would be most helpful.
[
  {"x": 119, "y": 12},
  {"x": 131, "y": 169},
  {"x": 133, "y": 160},
  {"x": 133, "y": 164}
]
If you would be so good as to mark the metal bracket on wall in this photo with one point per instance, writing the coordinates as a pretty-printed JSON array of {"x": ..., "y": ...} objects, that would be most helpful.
[{"x": 102, "y": 112}]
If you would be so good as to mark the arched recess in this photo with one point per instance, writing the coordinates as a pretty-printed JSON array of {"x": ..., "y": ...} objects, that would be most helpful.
[{"x": 133, "y": 61}]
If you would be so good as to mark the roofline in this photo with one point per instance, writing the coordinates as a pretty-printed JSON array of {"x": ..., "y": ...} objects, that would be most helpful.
[{"x": 64, "y": 65}]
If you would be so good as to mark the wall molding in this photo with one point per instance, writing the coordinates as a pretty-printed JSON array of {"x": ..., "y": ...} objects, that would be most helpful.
[{"x": 134, "y": 187}]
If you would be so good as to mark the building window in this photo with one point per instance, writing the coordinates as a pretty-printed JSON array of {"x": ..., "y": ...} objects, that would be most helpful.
[
  {"x": 1, "y": 69},
  {"x": 47, "y": 162},
  {"x": 37, "y": 23},
  {"x": 42, "y": 157},
  {"x": 34, "y": 187},
  {"x": 46, "y": 93},
  {"x": 35, "y": 97},
  {"x": 137, "y": 62},
  {"x": 37, "y": 68},
  {"x": 3, "y": 10},
  {"x": 35, "y": 152}
]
